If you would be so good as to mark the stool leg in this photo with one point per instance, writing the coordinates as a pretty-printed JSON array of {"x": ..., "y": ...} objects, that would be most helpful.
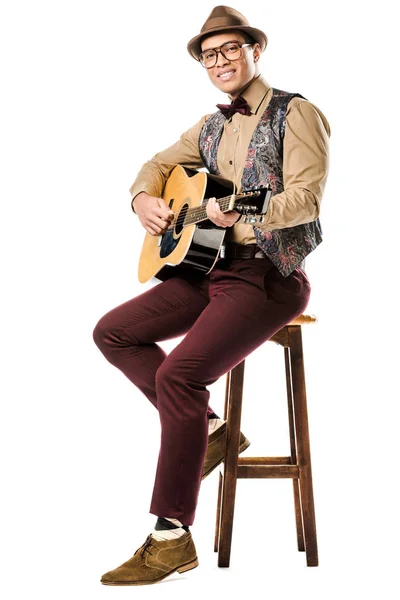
[
  {"x": 216, "y": 538},
  {"x": 303, "y": 445},
  {"x": 218, "y": 518},
  {"x": 293, "y": 454},
  {"x": 230, "y": 464}
]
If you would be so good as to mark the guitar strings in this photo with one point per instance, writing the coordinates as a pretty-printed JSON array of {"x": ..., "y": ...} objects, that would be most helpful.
[
  {"x": 196, "y": 214},
  {"x": 197, "y": 211}
]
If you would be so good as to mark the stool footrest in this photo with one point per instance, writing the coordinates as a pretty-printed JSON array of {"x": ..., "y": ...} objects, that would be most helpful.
[
  {"x": 264, "y": 460},
  {"x": 267, "y": 471}
]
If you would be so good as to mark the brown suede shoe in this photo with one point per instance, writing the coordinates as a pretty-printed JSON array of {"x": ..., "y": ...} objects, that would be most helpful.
[
  {"x": 155, "y": 560},
  {"x": 216, "y": 449}
]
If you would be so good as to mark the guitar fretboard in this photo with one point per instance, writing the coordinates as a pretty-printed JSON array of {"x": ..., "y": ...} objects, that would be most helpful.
[{"x": 198, "y": 213}]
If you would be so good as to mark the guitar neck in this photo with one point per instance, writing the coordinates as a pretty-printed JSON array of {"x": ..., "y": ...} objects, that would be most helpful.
[{"x": 199, "y": 214}]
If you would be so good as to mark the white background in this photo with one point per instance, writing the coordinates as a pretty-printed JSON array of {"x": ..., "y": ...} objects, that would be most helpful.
[{"x": 89, "y": 91}]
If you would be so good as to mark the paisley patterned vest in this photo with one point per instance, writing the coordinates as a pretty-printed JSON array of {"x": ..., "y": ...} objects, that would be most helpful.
[{"x": 287, "y": 247}]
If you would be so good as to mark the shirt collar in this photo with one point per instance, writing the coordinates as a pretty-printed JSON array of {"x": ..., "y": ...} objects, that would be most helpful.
[{"x": 255, "y": 93}]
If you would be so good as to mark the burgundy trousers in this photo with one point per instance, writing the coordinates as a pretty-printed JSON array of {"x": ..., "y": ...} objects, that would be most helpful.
[{"x": 225, "y": 316}]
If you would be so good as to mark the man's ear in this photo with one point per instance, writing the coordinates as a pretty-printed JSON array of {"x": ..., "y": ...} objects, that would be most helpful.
[{"x": 256, "y": 52}]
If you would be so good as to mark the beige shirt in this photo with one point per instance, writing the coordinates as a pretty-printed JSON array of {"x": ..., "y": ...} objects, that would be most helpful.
[{"x": 305, "y": 161}]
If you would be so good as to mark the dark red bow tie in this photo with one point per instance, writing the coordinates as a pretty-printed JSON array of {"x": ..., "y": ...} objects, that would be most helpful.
[{"x": 238, "y": 105}]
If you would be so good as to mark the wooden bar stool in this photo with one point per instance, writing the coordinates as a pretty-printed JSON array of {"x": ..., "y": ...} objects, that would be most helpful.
[{"x": 297, "y": 466}]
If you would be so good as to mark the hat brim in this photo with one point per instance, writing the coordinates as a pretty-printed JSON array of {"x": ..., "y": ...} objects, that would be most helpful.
[{"x": 194, "y": 46}]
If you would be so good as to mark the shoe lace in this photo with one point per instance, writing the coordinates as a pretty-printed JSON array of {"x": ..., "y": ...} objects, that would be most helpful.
[{"x": 145, "y": 547}]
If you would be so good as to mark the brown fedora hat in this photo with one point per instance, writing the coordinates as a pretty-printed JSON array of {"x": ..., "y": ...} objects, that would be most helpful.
[{"x": 223, "y": 18}]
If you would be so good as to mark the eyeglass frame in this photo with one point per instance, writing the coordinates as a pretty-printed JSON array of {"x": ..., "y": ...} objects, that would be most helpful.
[{"x": 218, "y": 50}]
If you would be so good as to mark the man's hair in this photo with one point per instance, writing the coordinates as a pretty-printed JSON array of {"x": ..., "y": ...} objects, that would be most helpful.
[{"x": 248, "y": 38}]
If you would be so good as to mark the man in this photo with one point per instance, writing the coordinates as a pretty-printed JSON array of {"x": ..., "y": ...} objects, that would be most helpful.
[{"x": 265, "y": 136}]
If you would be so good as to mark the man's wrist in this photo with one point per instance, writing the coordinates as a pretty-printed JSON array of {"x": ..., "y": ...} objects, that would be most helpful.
[{"x": 134, "y": 198}]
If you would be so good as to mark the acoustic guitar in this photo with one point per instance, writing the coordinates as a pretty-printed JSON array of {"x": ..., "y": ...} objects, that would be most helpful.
[{"x": 192, "y": 241}]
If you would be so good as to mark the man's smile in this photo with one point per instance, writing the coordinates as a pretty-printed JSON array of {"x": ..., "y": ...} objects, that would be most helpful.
[{"x": 226, "y": 75}]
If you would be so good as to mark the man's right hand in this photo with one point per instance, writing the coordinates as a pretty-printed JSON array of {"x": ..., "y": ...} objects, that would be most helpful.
[{"x": 154, "y": 214}]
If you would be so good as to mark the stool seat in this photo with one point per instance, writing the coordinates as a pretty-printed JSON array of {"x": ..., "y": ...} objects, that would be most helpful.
[
  {"x": 304, "y": 320},
  {"x": 297, "y": 466}
]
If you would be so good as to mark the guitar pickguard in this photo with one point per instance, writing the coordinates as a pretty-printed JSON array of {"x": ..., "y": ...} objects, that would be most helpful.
[
  {"x": 168, "y": 244},
  {"x": 171, "y": 238}
]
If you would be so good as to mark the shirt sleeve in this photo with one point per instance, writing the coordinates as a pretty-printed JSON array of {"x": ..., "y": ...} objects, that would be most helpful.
[
  {"x": 305, "y": 167},
  {"x": 154, "y": 173}
]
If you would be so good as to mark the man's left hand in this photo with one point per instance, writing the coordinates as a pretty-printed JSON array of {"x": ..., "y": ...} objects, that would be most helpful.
[{"x": 215, "y": 214}]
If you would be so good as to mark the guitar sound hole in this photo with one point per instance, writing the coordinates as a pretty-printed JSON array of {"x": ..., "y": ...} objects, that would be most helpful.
[{"x": 181, "y": 219}]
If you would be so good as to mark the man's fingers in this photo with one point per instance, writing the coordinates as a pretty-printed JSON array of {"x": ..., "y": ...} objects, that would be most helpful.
[
  {"x": 158, "y": 225},
  {"x": 214, "y": 213},
  {"x": 162, "y": 203},
  {"x": 163, "y": 210},
  {"x": 150, "y": 230},
  {"x": 162, "y": 214},
  {"x": 154, "y": 230},
  {"x": 159, "y": 222}
]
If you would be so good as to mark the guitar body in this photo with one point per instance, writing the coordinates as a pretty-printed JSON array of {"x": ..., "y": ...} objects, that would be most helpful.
[{"x": 193, "y": 246}]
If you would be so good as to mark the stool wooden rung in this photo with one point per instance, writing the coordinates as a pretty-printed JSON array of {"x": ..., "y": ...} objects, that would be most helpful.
[
  {"x": 259, "y": 467},
  {"x": 297, "y": 466}
]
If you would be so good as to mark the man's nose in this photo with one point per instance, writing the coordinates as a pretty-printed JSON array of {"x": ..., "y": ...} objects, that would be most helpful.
[{"x": 221, "y": 60}]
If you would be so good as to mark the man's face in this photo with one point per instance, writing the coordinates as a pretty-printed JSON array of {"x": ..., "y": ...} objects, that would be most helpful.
[{"x": 231, "y": 76}]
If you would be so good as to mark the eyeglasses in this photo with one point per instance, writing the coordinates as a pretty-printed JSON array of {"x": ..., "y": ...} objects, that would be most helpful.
[{"x": 229, "y": 50}]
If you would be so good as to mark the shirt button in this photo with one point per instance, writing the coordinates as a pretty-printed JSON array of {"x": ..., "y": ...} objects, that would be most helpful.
[
  {"x": 235, "y": 130},
  {"x": 230, "y": 162}
]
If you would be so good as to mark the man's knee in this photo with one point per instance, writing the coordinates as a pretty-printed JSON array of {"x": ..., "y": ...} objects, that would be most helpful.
[
  {"x": 100, "y": 334},
  {"x": 167, "y": 375},
  {"x": 180, "y": 380},
  {"x": 109, "y": 334}
]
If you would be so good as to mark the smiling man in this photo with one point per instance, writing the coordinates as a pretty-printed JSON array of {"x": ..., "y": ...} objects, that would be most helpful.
[{"x": 264, "y": 136}]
